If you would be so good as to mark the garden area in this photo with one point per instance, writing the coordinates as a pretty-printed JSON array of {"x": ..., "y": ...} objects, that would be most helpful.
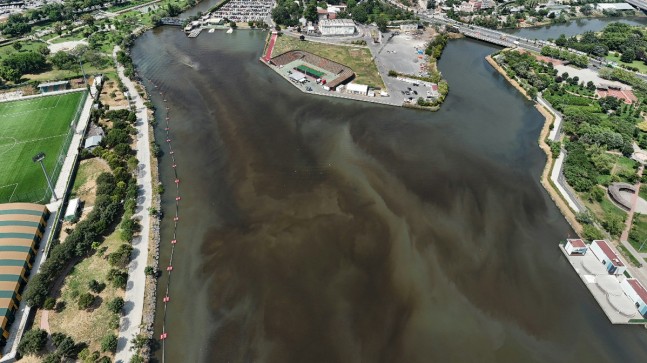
[
  {"x": 598, "y": 136},
  {"x": 79, "y": 289}
]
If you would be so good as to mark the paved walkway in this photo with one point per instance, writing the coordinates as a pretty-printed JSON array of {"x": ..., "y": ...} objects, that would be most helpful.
[
  {"x": 555, "y": 133},
  {"x": 73, "y": 150},
  {"x": 134, "y": 299},
  {"x": 44, "y": 320},
  {"x": 555, "y": 178}
]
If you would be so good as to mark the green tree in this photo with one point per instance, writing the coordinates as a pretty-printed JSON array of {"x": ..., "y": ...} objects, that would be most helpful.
[
  {"x": 85, "y": 301},
  {"x": 32, "y": 342},
  {"x": 109, "y": 343},
  {"x": 311, "y": 12},
  {"x": 17, "y": 46},
  {"x": 116, "y": 305},
  {"x": 382, "y": 22}
]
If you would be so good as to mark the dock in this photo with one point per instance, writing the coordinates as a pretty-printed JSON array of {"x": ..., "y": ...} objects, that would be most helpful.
[
  {"x": 195, "y": 32},
  {"x": 605, "y": 288}
]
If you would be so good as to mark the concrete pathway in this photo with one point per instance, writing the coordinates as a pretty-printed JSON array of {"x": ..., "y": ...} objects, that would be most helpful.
[
  {"x": 630, "y": 216},
  {"x": 73, "y": 150},
  {"x": 134, "y": 298},
  {"x": 555, "y": 132},
  {"x": 44, "y": 320}
]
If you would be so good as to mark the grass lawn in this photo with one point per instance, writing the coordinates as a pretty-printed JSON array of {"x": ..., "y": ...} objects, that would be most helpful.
[
  {"x": 638, "y": 233},
  {"x": 78, "y": 35},
  {"x": 628, "y": 255},
  {"x": 28, "y": 127},
  {"x": 87, "y": 325},
  {"x": 615, "y": 57},
  {"x": 604, "y": 208},
  {"x": 85, "y": 181},
  {"x": 357, "y": 58},
  {"x": 26, "y": 46},
  {"x": 643, "y": 191},
  {"x": 62, "y": 74}
]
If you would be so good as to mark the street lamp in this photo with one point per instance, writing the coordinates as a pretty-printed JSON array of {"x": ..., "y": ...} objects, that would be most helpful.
[
  {"x": 38, "y": 158},
  {"x": 641, "y": 246}
]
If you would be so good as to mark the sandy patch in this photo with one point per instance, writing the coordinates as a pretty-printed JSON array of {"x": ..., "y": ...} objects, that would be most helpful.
[
  {"x": 116, "y": 102},
  {"x": 65, "y": 46}
]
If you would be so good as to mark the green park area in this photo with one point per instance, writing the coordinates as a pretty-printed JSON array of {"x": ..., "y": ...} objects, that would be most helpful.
[
  {"x": 357, "y": 58},
  {"x": 27, "y": 127},
  {"x": 638, "y": 64},
  {"x": 598, "y": 136}
]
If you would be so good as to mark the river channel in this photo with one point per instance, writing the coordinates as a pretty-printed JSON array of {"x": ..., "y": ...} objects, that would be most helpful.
[{"x": 324, "y": 230}]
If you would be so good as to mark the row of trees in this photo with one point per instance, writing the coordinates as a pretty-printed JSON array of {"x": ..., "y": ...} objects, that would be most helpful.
[
  {"x": 288, "y": 12},
  {"x": 581, "y": 61},
  {"x": 629, "y": 40},
  {"x": 115, "y": 193}
]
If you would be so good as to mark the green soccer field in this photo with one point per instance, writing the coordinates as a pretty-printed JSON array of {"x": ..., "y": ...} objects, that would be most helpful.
[{"x": 42, "y": 124}]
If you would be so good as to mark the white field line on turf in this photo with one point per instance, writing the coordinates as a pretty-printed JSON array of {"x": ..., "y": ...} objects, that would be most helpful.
[
  {"x": 15, "y": 186},
  {"x": 34, "y": 109}
]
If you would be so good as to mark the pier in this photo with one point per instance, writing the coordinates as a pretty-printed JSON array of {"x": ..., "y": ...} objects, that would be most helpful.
[
  {"x": 195, "y": 32},
  {"x": 606, "y": 288}
]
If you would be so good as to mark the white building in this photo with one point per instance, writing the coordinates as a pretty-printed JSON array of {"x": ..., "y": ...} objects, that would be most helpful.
[
  {"x": 357, "y": 89},
  {"x": 608, "y": 257},
  {"x": 637, "y": 293},
  {"x": 614, "y": 6},
  {"x": 72, "y": 209},
  {"x": 337, "y": 27},
  {"x": 409, "y": 27},
  {"x": 575, "y": 247}
]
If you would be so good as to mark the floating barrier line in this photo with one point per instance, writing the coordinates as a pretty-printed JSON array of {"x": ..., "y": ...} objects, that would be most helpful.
[{"x": 176, "y": 218}]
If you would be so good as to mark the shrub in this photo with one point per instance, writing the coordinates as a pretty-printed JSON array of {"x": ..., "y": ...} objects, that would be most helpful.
[
  {"x": 109, "y": 343},
  {"x": 52, "y": 358},
  {"x": 121, "y": 257},
  {"x": 96, "y": 286},
  {"x": 118, "y": 278},
  {"x": 85, "y": 301},
  {"x": 116, "y": 305},
  {"x": 32, "y": 342},
  {"x": 49, "y": 303}
]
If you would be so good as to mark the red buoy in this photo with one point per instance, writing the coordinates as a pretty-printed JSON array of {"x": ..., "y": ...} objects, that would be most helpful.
[
  {"x": 170, "y": 268},
  {"x": 167, "y": 299},
  {"x": 163, "y": 336},
  {"x": 176, "y": 219},
  {"x": 177, "y": 181},
  {"x": 174, "y": 241},
  {"x": 178, "y": 198},
  {"x": 174, "y": 165}
]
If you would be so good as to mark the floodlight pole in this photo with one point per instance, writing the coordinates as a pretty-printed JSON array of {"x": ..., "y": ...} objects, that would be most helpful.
[{"x": 39, "y": 158}]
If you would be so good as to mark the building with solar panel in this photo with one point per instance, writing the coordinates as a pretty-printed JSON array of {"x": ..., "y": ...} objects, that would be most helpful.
[{"x": 21, "y": 229}]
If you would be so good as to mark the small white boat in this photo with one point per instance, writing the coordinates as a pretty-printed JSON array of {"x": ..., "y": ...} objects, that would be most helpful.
[
  {"x": 212, "y": 30},
  {"x": 231, "y": 30}
]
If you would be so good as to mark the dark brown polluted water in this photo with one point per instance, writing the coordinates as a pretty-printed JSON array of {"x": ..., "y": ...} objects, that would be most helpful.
[{"x": 322, "y": 230}]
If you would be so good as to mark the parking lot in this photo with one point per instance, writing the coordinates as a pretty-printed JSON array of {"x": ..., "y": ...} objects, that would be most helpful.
[{"x": 400, "y": 53}]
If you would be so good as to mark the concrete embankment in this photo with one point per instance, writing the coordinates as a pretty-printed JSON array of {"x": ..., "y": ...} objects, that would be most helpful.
[{"x": 545, "y": 175}]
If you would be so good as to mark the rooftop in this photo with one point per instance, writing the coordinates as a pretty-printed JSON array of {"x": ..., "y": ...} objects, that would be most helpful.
[
  {"x": 638, "y": 288},
  {"x": 49, "y": 84},
  {"x": 336, "y": 22},
  {"x": 612, "y": 256},
  {"x": 577, "y": 243}
]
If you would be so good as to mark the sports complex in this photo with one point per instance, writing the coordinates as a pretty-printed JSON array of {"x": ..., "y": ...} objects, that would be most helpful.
[{"x": 28, "y": 127}]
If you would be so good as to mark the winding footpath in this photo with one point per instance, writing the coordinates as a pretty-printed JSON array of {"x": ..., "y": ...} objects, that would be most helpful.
[{"x": 134, "y": 299}]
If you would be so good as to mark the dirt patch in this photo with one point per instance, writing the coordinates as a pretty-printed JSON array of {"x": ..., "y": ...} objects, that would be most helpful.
[{"x": 112, "y": 96}]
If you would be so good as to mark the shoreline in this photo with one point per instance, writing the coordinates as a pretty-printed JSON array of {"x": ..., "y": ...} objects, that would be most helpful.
[{"x": 545, "y": 181}]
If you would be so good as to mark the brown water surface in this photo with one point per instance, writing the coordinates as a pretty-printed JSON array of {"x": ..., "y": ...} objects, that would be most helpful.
[{"x": 320, "y": 230}]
